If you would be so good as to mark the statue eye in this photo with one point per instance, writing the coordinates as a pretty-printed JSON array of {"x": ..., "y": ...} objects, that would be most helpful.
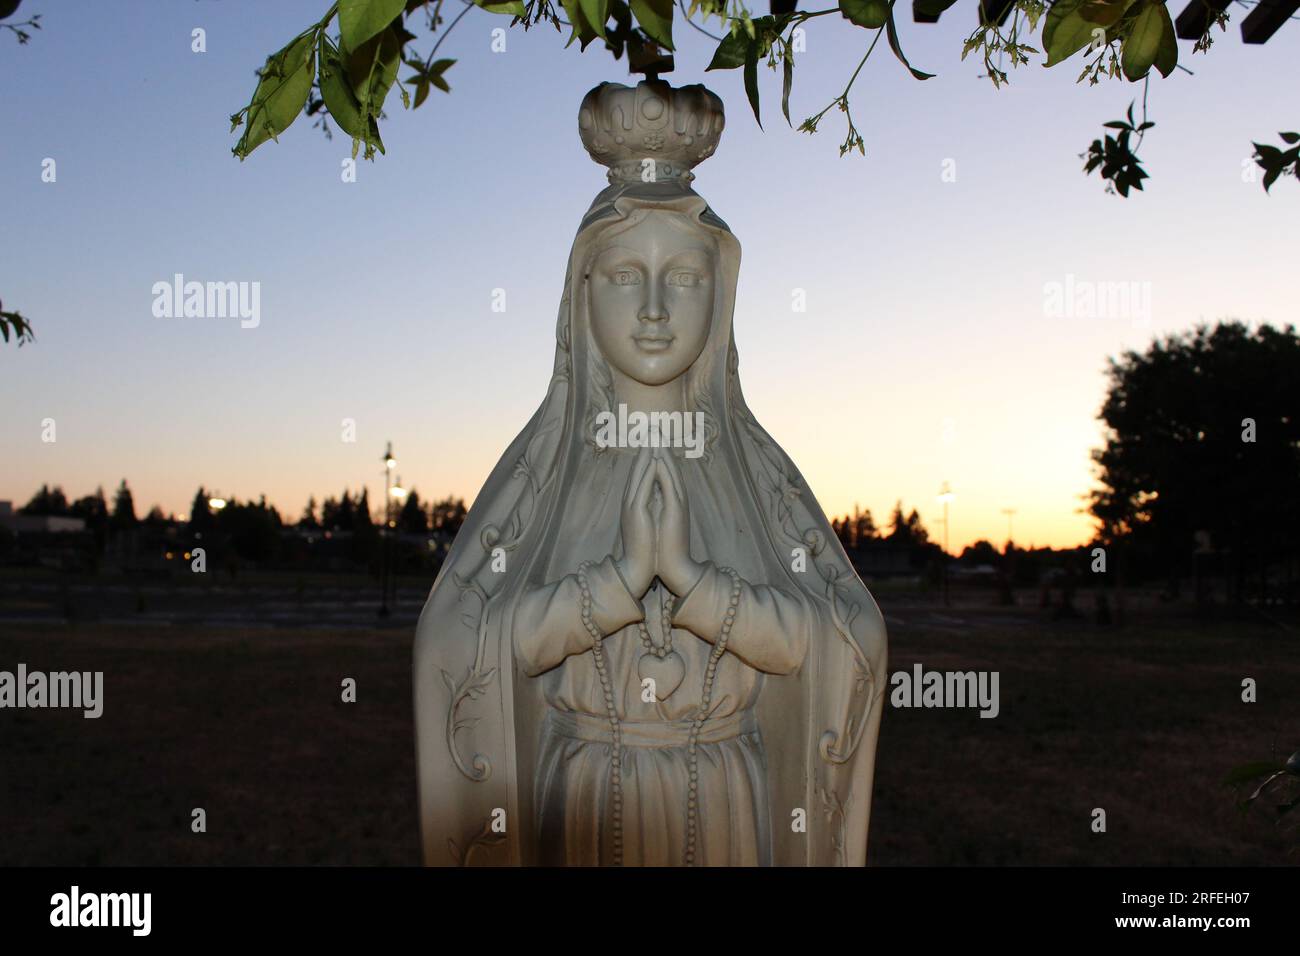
[
  {"x": 684, "y": 279},
  {"x": 627, "y": 277}
]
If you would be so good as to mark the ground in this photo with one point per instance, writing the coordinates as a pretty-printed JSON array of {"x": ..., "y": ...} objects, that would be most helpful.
[{"x": 248, "y": 723}]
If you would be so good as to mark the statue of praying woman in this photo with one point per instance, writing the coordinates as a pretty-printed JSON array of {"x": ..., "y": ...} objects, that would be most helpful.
[{"x": 647, "y": 646}]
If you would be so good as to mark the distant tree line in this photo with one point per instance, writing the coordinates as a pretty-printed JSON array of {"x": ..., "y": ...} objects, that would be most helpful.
[
  {"x": 343, "y": 533},
  {"x": 904, "y": 549}
]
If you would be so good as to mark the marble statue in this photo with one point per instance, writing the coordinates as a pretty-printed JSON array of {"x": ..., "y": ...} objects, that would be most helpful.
[{"x": 647, "y": 646}]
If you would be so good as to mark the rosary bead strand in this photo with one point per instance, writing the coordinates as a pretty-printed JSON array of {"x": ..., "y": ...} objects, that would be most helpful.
[
  {"x": 692, "y": 758},
  {"x": 616, "y": 730},
  {"x": 658, "y": 650}
]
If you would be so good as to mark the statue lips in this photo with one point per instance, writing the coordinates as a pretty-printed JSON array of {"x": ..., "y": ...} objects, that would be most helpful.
[{"x": 654, "y": 343}]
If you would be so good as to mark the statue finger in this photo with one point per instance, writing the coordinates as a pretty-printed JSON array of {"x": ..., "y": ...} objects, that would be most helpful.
[
  {"x": 641, "y": 470},
  {"x": 674, "y": 471}
]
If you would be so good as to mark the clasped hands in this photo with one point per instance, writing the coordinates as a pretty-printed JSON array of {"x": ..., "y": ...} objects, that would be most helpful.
[{"x": 656, "y": 527}]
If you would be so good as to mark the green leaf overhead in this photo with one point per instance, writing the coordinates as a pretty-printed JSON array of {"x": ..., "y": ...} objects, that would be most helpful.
[
  {"x": 751, "y": 82},
  {"x": 787, "y": 81},
  {"x": 1143, "y": 43},
  {"x": 871, "y": 14},
  {"x": 1167, "y": 55},
  {"x": 1252, "y": 771},
  {"x": 357, "y": 68},
  {"x": 730, "y": 53},
  {"x": 337, "y": 91},
  {"x": 371, "y": 70},
  {"x": 583, "y": 31},
  {"x": 656, "y": 19},
  {"x": 359, "y": 20},
  {"x": 513, "y": 8},
  {"x": 1105, "y": 13},
  {"x": 931, "y": 8},
  {"x": 894, "y": 45},
  {"x": 596, "y": 13},
  {"x": 1066, "y": 31},
  {"x": 281, "y": 93}
]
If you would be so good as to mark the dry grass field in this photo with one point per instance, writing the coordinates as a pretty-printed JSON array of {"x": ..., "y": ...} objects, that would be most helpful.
[{"x": 247, "y": 723}]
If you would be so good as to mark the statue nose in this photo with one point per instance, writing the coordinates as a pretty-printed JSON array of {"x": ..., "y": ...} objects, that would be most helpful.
[{"x": 654, "y": 309}]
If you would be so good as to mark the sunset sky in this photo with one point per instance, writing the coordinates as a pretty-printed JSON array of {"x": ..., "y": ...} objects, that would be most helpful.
[{"x": 927, "y": 352}]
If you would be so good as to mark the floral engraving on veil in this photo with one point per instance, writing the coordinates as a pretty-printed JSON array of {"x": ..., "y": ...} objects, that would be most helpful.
[
  {"x": 471, "y": 687},
  {"x": 836, "y": 813},
  {"x": 478, "y": 677}
]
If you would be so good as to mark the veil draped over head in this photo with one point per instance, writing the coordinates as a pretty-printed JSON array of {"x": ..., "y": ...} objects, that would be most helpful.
[{"x": 478, "y": 714}]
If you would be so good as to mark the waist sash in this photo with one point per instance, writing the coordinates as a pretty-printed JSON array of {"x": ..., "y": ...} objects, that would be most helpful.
[{"x": 650, "y": 733}]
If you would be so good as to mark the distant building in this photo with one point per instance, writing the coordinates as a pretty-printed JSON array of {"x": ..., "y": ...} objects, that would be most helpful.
[{"x": 37, "y": 524}]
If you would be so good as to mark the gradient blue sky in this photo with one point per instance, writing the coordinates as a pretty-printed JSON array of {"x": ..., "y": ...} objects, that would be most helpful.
[{"x": 925, "y": 354}]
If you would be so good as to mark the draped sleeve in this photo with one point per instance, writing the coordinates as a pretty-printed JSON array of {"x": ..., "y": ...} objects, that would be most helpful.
[
  {"x": 548, "y": 626},
  {"x": 770, "y": 632}
]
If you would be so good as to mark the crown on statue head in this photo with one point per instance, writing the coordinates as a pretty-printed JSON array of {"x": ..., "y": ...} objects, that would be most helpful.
[{"x": 652, "y": 132}]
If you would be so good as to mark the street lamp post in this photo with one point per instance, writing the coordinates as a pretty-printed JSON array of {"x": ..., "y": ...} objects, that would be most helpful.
[
  {"x": 945, "y": 495},
  {"x": 385, "y": 557},
  {"x": 1010, "y": 513},
  {"x": 396, "y": 498}
]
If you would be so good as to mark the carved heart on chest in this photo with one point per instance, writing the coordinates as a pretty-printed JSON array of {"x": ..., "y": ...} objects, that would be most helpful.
[{"x": 667, "y": 672}]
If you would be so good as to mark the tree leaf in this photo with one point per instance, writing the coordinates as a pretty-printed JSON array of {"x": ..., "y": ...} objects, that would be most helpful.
[
  {"x": 372, "y": 69},
  {"x": 1104, "y": 12},
  {"x": 436, "y": 71},
  {"x": 1251, "y": 771},
  {"x": 582, "y": 30},
  {"x": 898, "y": 50},
  {"x": 596, "y": 13},
  {"x": 1065, "y": 31},
  {"x": 1143, "y": 43},
  {"x": 1167, "y": 54},
  {"x": 1290, "y": 137},
  {"x": 787, "y": 82},
  {"x": 359, "y": 20},
  {"x": 731, "y": 52},
  {"x": 656, "y": 19},
  {"x": 337, "y": 92},
  {"x": 931, "y": 8},
  {"x": 751, "y": 82},
  {"x": 870, "y": 14},
  {"x": 514, "y": 8},
  {"x": 280, "y": 94}
]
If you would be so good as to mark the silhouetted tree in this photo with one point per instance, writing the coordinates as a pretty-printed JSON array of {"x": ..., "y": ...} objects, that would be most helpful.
[
  {"x": 201, "y": 521},
  {"x": 123, "y": 507},
  {"x": 1203, "y": 442},
  {"x": 338, "y": 515},
  {"x": 365, "y": 535},
  {"x": 412, "y": 519},
  {"x": 981, "y": 552},
  {"x": 448, "y": 515},
  {"x": 907, "y": 530},
  {"x": 47, "y": 501},
  {"x": 864, "y": 527},
  {"x": 93, "y": 510},
  {"x": 308, "y": 519}
]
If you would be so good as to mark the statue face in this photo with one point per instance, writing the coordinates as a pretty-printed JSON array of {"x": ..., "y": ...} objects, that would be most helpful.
[{"x": 651, "y": 289}]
